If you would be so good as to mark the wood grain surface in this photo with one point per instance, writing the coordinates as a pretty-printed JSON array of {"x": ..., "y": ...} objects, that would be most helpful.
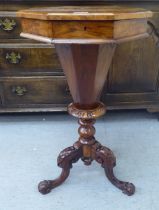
[
  {"x": 84, "y": 22},
  {"x": 85, "y": 13},
  {"x": 135, "y": 85}
]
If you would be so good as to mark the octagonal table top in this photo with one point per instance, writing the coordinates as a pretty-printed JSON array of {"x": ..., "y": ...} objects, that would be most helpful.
[{"x": 94, "y": 12}]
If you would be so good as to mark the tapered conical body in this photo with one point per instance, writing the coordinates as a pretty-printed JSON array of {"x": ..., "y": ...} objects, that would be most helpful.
[{"x": 86, "y": 68}]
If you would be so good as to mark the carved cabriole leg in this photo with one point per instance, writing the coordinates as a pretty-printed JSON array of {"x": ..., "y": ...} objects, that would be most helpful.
[
  {"x": 65, "y": 159},
  {"x": 106, "y": 158},
  {"x": 92, "y": 149},
  {"x": 88, "y": 149}
]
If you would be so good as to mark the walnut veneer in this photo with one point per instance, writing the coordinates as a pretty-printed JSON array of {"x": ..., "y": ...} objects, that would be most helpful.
[{"x": 85, "y": 39}]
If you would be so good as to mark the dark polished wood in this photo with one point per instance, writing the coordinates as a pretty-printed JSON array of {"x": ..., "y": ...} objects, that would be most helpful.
[
  {"x": 65, "y": 160},
  {"x": 86, "y": 62},
  {"x": 86, "y": 67},
  {"x": 129, "y": 85},
  {"x": 88, "y": 149}
]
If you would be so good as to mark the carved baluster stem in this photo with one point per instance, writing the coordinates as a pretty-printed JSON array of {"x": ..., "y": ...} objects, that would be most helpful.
[{"x": 86, "y": 132}]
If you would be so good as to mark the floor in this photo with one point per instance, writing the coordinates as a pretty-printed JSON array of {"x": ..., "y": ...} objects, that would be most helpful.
[{"x": 29, "y": 145}]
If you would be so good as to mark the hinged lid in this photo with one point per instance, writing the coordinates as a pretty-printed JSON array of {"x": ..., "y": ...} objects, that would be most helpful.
[{"x": 85, "y": 13}]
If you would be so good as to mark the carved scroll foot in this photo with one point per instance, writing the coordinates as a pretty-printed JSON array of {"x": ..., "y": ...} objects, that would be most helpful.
[
  {"x": 106, "y": 158},
  {"x": 65, "y": 159},
  {"x": 46, "y": 186},
  {"x": 126, "y": 187}
]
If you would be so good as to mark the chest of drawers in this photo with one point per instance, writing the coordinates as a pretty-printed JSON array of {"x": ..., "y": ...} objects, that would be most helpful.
[{"x": 31, "y": 78}]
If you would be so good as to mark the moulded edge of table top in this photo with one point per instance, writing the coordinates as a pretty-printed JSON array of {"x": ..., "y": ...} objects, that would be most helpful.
[
  {"x": 82, "y": 41},
  {"x": 84, "y": 13}
]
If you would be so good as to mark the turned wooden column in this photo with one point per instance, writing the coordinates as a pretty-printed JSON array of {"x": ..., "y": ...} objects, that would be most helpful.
[{"x": 85, "y": 39}]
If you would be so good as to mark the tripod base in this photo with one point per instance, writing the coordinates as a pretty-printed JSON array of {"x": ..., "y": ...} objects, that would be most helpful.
[{"x": 87, "y": 149}]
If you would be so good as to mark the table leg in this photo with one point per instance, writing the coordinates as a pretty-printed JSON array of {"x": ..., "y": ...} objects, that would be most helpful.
[
  {"x": 65, "y": 159},
  {"x": 106, "y": 158},
  {"x": 86, "y": 68}
]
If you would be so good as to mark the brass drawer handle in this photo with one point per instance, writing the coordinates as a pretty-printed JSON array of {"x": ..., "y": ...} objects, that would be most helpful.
[
  {"x": 7, "y": 24},
  {"x": 19, "y": 90},
  {"x": 13, "y": 57}
]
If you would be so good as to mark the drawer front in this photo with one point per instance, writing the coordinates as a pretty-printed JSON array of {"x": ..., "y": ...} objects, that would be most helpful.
[
  {"x": 34, "y": 90},
  {"x": 28, "y": 60},
  {"x": 10, "y": 27}
]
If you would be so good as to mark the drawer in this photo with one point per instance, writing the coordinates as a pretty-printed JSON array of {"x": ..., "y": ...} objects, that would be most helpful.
[
  {"x": 10, "y": 27},
  {"x": 28, "y": 59},
  {"x": 34, "y": 90}
]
